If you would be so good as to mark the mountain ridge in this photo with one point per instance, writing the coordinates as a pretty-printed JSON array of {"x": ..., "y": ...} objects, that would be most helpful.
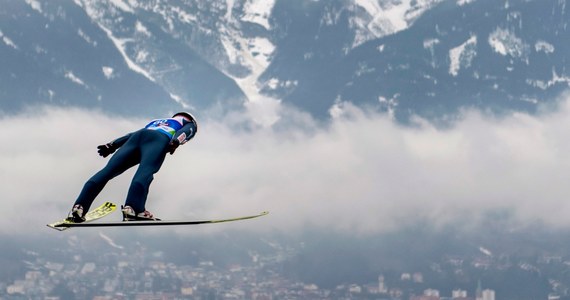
[{"x": 427, "y": 58}]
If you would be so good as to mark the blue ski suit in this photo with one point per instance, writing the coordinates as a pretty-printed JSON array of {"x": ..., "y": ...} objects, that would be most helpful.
[{"x": 146, "y": 147}]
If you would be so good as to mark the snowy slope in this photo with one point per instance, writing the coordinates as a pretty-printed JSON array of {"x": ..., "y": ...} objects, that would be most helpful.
[
  {"x": 427, "y": 57},
  {"x": 501, "y": 55}
]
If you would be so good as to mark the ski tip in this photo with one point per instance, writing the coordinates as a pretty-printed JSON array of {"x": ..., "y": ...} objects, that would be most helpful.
[{"x": 58, "y": 228}]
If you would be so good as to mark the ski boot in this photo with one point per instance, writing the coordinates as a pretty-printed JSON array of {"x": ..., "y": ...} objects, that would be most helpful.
[
  {"x": 129, "y": 214},
  {"x": 77, "y": 214}
]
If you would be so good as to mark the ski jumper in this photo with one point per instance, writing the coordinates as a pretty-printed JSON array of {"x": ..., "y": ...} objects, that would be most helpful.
[{"x": 146, "y": 147}]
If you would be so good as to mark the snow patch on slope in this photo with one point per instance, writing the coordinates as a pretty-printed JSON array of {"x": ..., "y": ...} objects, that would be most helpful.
[
  {"x": 122, "y": 6},
  {"x": 108, "y": 72},
  {"x": 120, "y": 45},
  {"x": 7, "y": 41},
  {"x": 543, "y": 46},
  {"x": 86, "y": 37},
  {"x": 140, "y": 28},
  {"x": 69, "y": 75},
  {"x": 485, "y": 251},
  {"x": 506, "y": 43},
  {"x": 375, "y": 19},
  {"x": 255, "y": 54},
  {"x": 556, "y": 79},
  {"x": 110, "y": 241},
  {"x": 258, "y": 11},
  {"x": 36, "y": 5},
  {"x": 462, "y": 56},
  {"x": 464, "y": 2}
]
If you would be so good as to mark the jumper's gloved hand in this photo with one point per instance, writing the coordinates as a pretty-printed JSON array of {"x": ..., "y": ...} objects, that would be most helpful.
[
  {"x": 105, "y": 150},
  {"x": 172, "y": 146}
]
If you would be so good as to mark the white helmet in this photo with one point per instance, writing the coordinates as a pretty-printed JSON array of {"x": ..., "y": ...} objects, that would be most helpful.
[{"x": 189, "y": 116}]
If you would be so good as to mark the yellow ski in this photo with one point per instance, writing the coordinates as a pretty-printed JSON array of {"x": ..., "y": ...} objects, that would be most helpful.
[{"x": 99, "y": 212}]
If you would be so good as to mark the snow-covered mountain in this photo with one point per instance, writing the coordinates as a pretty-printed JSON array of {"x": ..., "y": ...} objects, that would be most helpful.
[{"x": 402, "y": 56}]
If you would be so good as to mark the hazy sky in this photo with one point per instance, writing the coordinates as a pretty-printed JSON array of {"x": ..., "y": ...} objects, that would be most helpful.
[{"x": 361, "y": 173}]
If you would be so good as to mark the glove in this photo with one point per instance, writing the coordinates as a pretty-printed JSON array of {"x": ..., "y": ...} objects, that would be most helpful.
[
  {"x": 105, "y": 150},
  {"x": 172, "y": 146}
]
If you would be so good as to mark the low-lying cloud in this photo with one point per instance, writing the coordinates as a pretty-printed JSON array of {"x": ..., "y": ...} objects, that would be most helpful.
[{"x": 360, "y": 173}]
